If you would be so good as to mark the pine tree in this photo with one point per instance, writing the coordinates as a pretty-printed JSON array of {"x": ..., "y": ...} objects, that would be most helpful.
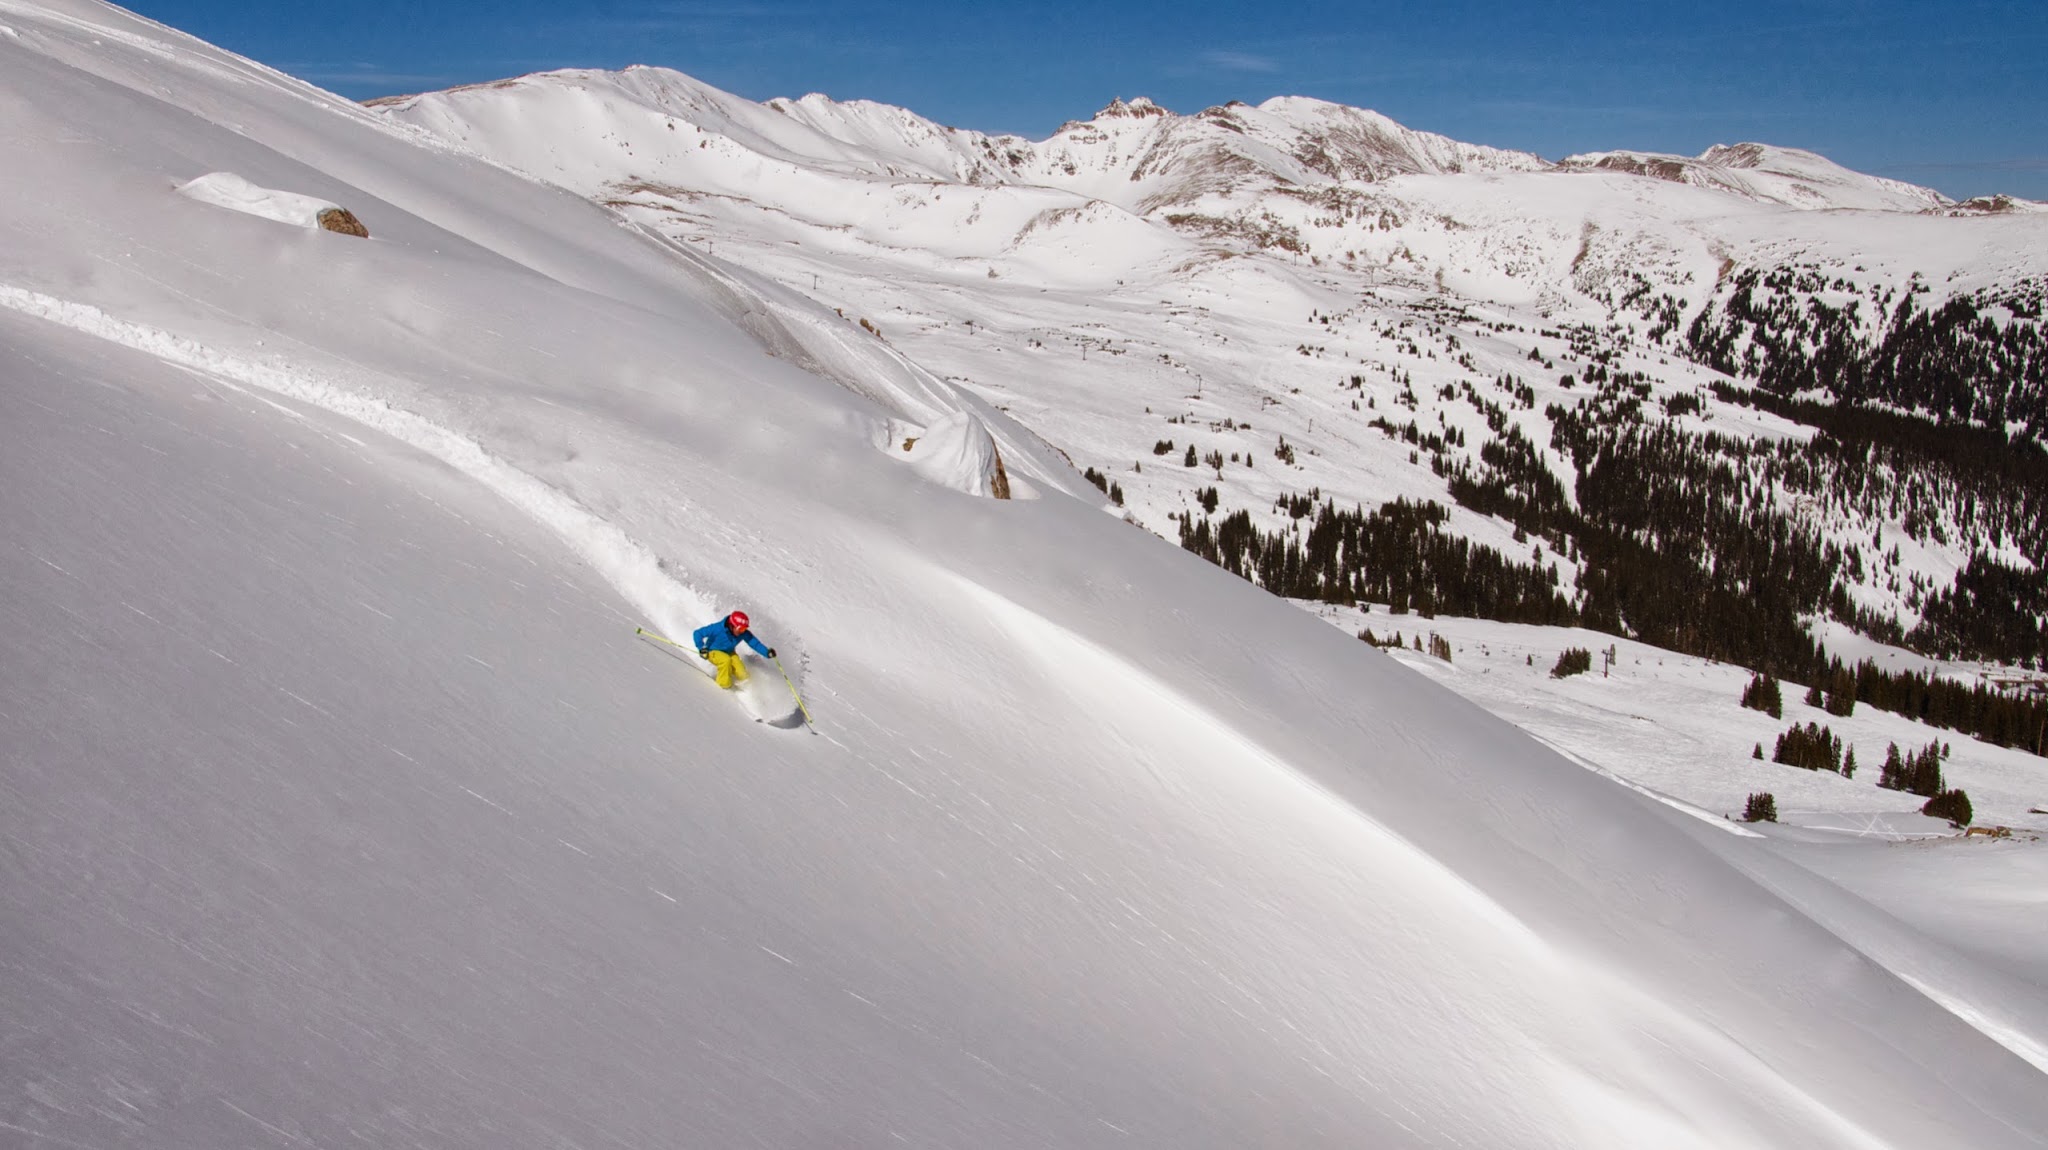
[
  {"x": 1762, "y": 807},
  {"x": 1811, "y": 747},
  {"x": 1572, "y": 661},
  {"x": 1951, "y": 805},
  {"x": 1892, "y": 776},
  {"x": 1841, "y": 700},
  {"x": 1920, "y": 773},
  {"x": 1925, "y": 772},
  {"x": 1762, "y": 695}
]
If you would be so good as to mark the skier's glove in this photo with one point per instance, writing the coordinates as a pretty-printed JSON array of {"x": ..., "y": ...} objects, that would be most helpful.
[{"x": 771, "y": 652}]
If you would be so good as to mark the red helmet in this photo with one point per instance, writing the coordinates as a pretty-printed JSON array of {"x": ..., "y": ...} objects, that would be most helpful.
[{"x": 737, "y": 621}]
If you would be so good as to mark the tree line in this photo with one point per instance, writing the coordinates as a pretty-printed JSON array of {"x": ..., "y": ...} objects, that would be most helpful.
[{"x": 1979, "y": 359}]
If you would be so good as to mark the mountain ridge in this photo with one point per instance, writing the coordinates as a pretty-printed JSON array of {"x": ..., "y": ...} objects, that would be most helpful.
[
  {"x": 1792, "y": 177},
  {"x": 1324, "y": 139}
]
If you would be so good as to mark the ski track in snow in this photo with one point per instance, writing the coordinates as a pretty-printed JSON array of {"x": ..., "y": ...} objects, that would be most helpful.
[{"x": 630, "y": 568}]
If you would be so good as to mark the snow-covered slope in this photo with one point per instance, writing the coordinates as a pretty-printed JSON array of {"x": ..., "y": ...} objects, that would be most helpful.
[{"x": 344, "y": 806}]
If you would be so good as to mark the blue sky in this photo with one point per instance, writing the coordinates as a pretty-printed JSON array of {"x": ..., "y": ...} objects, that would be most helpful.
[{"x": 1952, "y": 95}]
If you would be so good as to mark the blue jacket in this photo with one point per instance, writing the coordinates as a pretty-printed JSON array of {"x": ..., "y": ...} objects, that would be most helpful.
[{"x": 718, "y": 637}]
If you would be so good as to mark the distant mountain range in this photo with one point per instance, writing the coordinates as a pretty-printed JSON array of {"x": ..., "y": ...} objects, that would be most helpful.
[
  {"x": 1133, "y": 153},
  {"x": 1313, "y": 304}
]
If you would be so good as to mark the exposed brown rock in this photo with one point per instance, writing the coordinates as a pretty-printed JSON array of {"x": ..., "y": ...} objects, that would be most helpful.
[
  {"x": 344, "y": 221},
  {"x": 1656, "y": 167},
  {"x": 1000, "y": 485}
]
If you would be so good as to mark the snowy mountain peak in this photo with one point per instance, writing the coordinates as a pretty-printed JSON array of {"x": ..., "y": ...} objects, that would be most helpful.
[
  {"x": 1792, "y": 177},
  {"x": 1340, "y": 142},
  {"x": 1138, "y": 107},
  {"x": 1993, "y": 206},
  {"x": 1755, "y": 156}
]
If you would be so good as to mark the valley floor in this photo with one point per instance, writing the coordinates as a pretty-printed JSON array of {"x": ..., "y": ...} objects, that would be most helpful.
[{"x": 1670, "y": 725}]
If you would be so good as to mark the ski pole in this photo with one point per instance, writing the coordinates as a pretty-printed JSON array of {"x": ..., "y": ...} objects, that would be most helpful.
[
  {"x": 659, "y": 638},
  {"x": 793, "y": 693}
]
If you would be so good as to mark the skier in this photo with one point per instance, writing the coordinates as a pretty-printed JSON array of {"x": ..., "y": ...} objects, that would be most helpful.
[{"x": 718, "y": 644}]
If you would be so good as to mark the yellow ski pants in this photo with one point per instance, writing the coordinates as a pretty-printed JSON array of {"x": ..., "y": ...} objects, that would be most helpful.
[{"x": 730, "y": 669}]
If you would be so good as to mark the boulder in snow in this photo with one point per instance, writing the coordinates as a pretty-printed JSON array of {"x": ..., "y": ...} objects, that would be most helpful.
[{"x": 344, "y": 221}]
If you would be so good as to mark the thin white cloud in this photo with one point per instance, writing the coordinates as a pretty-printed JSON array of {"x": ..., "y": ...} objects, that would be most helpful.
[{"x": 1239, "y": 62}]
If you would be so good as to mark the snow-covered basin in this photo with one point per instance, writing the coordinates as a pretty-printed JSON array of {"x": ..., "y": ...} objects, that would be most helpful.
[
  {"x": 1674, "y": 723},
  {"x": 1958, "y": 917}
]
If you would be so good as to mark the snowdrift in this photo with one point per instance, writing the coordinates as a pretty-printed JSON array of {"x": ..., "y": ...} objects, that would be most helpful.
[
  {"x": 958, "y": 452},
  {"x": 230, "y": 191},
  {"x": 344, "y": 804}
]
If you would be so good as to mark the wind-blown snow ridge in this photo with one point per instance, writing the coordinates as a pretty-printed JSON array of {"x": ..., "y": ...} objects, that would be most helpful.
[
  {"x": 642, "y": 578},
  {"x": 177, "y": 49},
  {"x": 1711, "y": 819},
  {"x": 1123, "y": 688},
  {"x": 2006, "y": 1035}
]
